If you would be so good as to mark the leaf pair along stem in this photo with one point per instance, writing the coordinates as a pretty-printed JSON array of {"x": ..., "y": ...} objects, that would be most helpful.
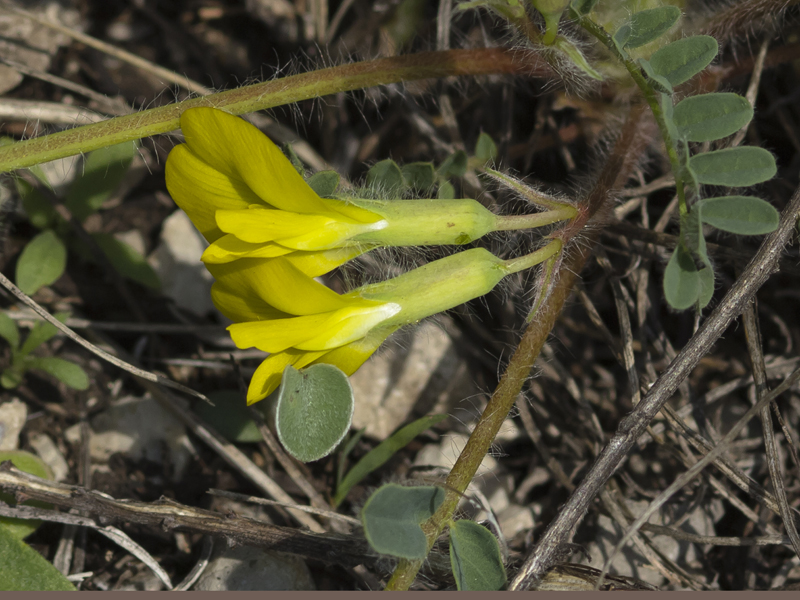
[
  {"x": 269, "y": 94},
  {"x": 628, "y": 149}
]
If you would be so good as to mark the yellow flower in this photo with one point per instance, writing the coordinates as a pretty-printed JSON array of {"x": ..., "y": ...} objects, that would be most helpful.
[
  {"x": 279, "y": 309},
  {"x": 248, "y": 200}
]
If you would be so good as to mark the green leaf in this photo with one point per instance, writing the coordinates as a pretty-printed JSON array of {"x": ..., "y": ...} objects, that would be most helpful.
[
  {"x": 681, "y": 60},
  {"x": 583, "y": 7},
  {"x": 692, "y": 234},
  {"x": 454, "y": 165},
  {"x": 41, "y": 263},
  {"x": 24, "y": 569},
  {"x": 705, "y": 279},
  {"x": 382, "y": 453},
  {"x": 392, "y": 518},
  {"x": 11, "y": 377},
  {"x": 577, "y": 57},
  {"x": 29, "y": 463},
  {"x": 229, "y": 416},
  {"x": 40, "y": 333},
  {"x": 324, "y": 183},
  {"x": 485, "y": 148},
  {"x": 288, "y": 151},
  {"x": 681, "y": 281},
  {"x": 734, "y": 167},
  {"x": 347, "y": 448},
  {"x": 127, "y": 261},
  {"x": 646, "y": 26},
  {"x": 446, "y": 191},
  {"x": 66, "y": 372},
  {"x": 314, "y": 410},
  {"x": 40, "y": 211},
  {"x": 668, "y": 108},
  {"x": 386, "y": 176},
  {"x": 419, "y": 175},
  {"x": 744, "y": 215},
  {"x": 9, "y": 331},
  {"x": 708, "y": 117},
  {"x": 659, "y": 83},
  {"x": 475, "y": 557},
  {"x": 102, "y": 173}
]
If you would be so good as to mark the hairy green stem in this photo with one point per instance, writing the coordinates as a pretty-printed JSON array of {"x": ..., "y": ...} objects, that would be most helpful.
[
  {"x": 259, "y": 96},
  {"x": 515, "y": 265},
  {"x": 651, "y": 97},
  {"x": 615, "y": 172},
  {"x": 514, "y": 222}
]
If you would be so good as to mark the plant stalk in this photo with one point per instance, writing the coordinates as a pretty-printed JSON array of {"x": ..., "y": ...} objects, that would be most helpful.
[{"x": 260, "y": 96}]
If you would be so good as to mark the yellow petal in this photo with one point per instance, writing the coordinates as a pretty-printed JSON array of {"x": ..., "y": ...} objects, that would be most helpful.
[
  {"x": 268, "y": 375},
  {"x": 258, "y": 226},
  {"x": 276, "y": 335},
  {"x": 239, "y": 150},
  {"x": 282, "y": 285},
  {"x": 350, "y": 357},
  {"x": 242, "y": 305},
  {"x": 318, "y": 263},
  {"x": 352, "y": 324},
  {"x": 229, "y": 248},
  {"x": 200, "y": 190},
  {"x": 351, "y": 211},
  {"x": 311, "y": 332}
]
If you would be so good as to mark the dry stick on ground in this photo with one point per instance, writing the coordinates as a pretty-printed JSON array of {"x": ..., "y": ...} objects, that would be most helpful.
[
  {"x": 560, "y": 531},
  {"x": 753, "y": 335},
  {"x": 172, "y": 516}
]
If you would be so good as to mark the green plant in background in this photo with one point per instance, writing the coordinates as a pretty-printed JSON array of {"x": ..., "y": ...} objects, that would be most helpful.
[
  {"x": 22, "y": 567},
  {"x": 67, "y": 372},
  {"x": 44, "y": 258}
]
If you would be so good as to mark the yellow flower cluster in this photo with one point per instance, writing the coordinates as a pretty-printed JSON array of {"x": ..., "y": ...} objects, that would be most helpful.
[{"x": 270, "y": 234}]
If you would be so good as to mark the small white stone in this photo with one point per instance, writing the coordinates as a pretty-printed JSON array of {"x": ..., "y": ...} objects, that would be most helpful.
[
  {"x": 13, "y": 416},
  {"x": 140, "y": 429},
  {"x": 176, "y": 260},
  {"x": 47, "y": 450},
  {"x": 249, "y": 569}
]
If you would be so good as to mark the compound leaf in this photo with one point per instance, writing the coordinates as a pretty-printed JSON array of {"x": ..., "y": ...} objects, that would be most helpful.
[
  {"x": 744, "y": 215},
  {"x": 324, "y": 183},
  {"x": 708, "y": 117},
  {"x": 419, "y": 175},
  {"x": 454, "y": 165},
  {"x": 314, "y": 410},
  {"x": 385, "y": 176},
  {"x": 583, "y": 7},
  {"x": 734, "y": 167},
  {"x": 392, "y": 518},
  {"x": 646, "y": 26},
  {"x": 681, "y": 281},
  {"x": 485, "y": 148},
  {"x": 475, "y": 557},
  {"x": 681, "y": 60}
]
